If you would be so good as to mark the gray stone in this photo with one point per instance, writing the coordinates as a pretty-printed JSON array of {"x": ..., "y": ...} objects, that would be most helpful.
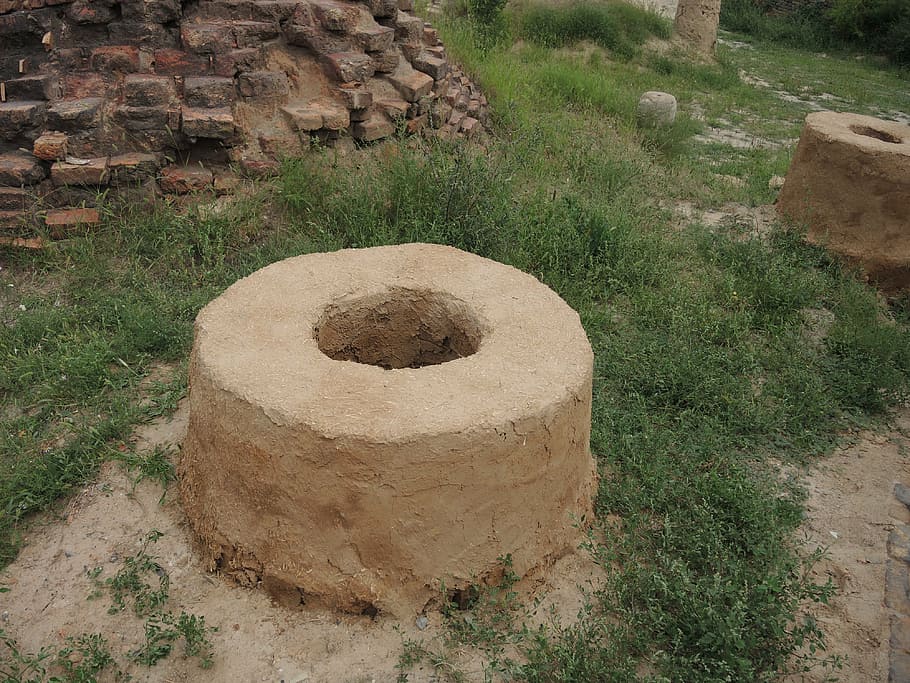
[{"x": 656, "y": 109}]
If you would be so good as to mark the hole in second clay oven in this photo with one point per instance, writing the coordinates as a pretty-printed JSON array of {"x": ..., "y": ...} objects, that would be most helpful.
[{"x": 877, "y": 134}]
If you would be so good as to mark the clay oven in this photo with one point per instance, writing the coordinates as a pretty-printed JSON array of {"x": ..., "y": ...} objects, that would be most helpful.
[{"x": 366, "y": 424}]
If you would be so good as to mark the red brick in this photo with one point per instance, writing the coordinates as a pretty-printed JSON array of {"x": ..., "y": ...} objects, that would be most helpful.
[
  {"x": 81, "y": 85},
  {"x": 185, "y": 179},
  {"x": 255, "y": 168},
  {"x": 22, "y": 242},
  {"x": 123, "y": 58},
  {"x": 132, "y": 167},
  {"x": 209, "y": 91},
  {"x": 18, "y": 168},
  {"x": 143, "y": 90},
  {"x": 254, "y": 33},
  {"x": 411, "y": 84},
  {"x": 229, "y": 64},
  {"x": 92, "y": 173},
  {"x": 263, "y": 84},
  {"x": 61, "y": 222},
  {"x": 179, "y": 63},
  {"x": 51, "y": 146},
  {"x": 207, "y": 123}
]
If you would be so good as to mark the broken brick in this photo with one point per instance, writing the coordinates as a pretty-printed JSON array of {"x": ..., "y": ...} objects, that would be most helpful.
[{"x": 185, "y": 179}]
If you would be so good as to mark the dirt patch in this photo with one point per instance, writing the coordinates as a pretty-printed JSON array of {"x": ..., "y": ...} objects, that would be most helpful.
[
  {"x": 850, "y": 512},
  {"x": 256, "y": 640}
]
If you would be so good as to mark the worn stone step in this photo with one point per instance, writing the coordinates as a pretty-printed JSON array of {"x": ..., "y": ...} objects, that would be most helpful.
[
  {"x": 19, "y": 168},
  {"x": 19, "y": 117}
]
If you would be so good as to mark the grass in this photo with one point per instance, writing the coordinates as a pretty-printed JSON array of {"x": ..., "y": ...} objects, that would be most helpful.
[{"x": 711, "y": 362}]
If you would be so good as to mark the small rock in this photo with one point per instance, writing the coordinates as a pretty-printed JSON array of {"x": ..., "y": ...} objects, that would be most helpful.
[
  {"x": 776, "y": 182},
  {"x": 656, "y": 109},
  {"x": 422, "y": 622}
]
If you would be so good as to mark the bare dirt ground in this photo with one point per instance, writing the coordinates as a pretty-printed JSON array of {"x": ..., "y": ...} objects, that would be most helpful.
[
  {"x": 256, "y": 640},
  {"x": 850, "y": 512}
]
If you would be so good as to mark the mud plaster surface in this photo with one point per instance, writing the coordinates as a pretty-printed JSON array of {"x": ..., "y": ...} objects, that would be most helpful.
[{"x": 256, "y": 640}]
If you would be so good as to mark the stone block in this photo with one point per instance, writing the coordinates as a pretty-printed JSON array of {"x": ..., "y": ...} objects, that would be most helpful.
[
  {"x": 207, "y": 123},
  {"x": 185, "y": 179},
  {"x": 411, "y": 84},
  {"x": 122, "y": 58},
  {"x": 656, "y": 109},
  {"x": 263, "y": 84},
  {"x": 376, "y": 127},
  {"x": 19, "y": 168},
  {"x": 303, "y": 118},
  {"x": 430, "y": 36},
  {"x": 350, "y": 67},
  {"x": 51, "y": 146},
  {"x": 74, "y": 115},
  {"x": 396, "y": 109},
  {"x": 470, "y": 126},
  {"x": 386, "y": 61},
  {"x": 92, "y": 172},
  {"x": 209, "y": 91},
  {"x": 384, "y": 8},
  {"x": 207, "y": 38},
  {"x": 143, "y": 90}
]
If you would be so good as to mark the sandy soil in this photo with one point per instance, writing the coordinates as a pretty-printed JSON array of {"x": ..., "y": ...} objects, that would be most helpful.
[
  {"x": 256, "y": 640},
  {"x": 850, "y": 511}
]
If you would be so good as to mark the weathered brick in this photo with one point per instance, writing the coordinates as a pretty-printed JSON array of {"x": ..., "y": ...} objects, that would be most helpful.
[
  {"x": 317, "y": 115},
  {"x": 63, "y": 222},
  {"x": 406, "y": 5},
  {"x": 17, "y": 117},
  {"x": 433, "y": 66},
  {"x": 209, "y": 91},
  {"x": 375, "y": 38},
  {"x": 143, "y": 90},
  {"x": 122, "y": 58},
  {"x": 51, "y": 146},
  {"x": 396, "y": 109},
  {"x": 207, "y": 38},
  {"x": 258, "y": 168},
  {"x": 335, "y": 16},
  {"x": 207, "y": 123},
  {"x": 131, "y": 168},
  {"x": 417, "y": 124},
  {"x": 355, "y": 97},
  {"x": 383, "y": 8},
  {"x": 39, "y": 87},
  {"x": 142, "y": 118},
  {"x": 303, "y": 118},
  {"x": 74, "y": 115},
  {"x": 93, "y": 172},
  {"x": 161, "y": 11},
  {"x": 23, "y": 242},
  {"x": 229, "y": 64},
  {"x": 408, "y": 28},
  {"x": 15, "y": 199},
  {"x": 172, "y": 62},
  {"x": 277, "y": 144},
  {"x": 263, "y": 84},
  {"x": 411, "y": 84},
  {"x": 88, "y": 12},
  {"x": 19, "y": 168},
  {"x": 254, "y": 33},
  {"x": 77, "y": 86},
  {"x": 430, "y": 36},
  {"x": 349, "y": 67},
  {"x": 377, "y": 126},
  {"x": 13, "y": 221},
  {"x": 386, "y": 61},
  {"x": 470, "y": 126},
  {"x": 185, "y": 179}
]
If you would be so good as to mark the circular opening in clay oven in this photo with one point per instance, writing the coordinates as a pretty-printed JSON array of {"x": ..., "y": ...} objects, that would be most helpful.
[
  {"x": 877, "y": 134},
  {"x": 399, "y": 328}
]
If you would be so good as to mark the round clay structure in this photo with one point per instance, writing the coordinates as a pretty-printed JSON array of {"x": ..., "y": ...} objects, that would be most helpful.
[
  {"x": 849, "y": 183},
  {"x": 368, "y": 425}
]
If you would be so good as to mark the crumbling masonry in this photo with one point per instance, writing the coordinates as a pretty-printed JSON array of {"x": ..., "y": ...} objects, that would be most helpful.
[{"x": 160, "y": 94}]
